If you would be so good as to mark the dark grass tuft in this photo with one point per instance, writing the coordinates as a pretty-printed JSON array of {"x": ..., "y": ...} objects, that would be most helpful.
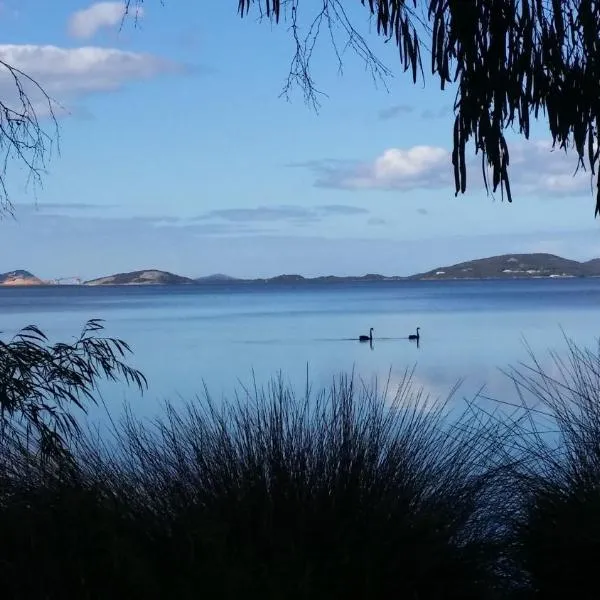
[
  {"x": 557, "y": 481},
  {"x": 347, "y": 493}
]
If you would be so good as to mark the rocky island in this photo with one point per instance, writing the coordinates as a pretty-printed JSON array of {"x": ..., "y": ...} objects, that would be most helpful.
[
  {"x": 149, "y": 277},
  {"x": 19, "y": 277}
]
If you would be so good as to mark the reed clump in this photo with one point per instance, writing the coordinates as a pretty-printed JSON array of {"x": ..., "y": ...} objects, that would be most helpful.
[
  {"x": 556, "y": 528},
  {"x": 349, "y": 492}
]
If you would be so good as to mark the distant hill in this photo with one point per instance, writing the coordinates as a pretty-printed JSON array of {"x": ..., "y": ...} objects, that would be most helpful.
[
  {"x": 19, "y": 277},
  {"x": 287, "y": 279},
  {"x": 515, "y": 266},
  {"x": 216, "y": 278},
  {"x": 150, "y": 277},
  {"x": 592, "y": 267}
]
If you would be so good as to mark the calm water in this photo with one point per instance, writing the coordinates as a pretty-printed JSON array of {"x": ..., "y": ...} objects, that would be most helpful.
[{"x": 185, "y": 337}]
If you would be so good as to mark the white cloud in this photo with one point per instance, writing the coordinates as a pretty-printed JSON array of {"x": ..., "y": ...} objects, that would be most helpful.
[
  {"x": 67, "y": 73},
  {"x": 394, "y": 169},
  {"x": 534, "y": 169},
  {"x": 538, "y": 169},
  {"x": 85, "y": 23},
  {"x": 405, "y": 166}
]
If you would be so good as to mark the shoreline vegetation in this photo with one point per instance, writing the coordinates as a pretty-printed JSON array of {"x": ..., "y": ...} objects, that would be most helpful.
[
  {"x": 352, "y": 491},
  {"x": 506, "y": 266}
]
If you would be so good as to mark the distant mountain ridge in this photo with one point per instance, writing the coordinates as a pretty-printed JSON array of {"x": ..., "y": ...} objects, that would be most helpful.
[
  {"x": 165, "y": 278},
  {"x": 505, "y": 266}
]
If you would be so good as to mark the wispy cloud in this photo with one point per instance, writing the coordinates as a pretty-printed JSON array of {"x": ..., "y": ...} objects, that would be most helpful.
[
  {"x": 61, "y": 206},
  {"x": 440, "y": 113},
  {"x": 394, "y": 111},
  {"x": 86, "y": 214},
  {"x": 282, "y": 213},
  {"x": 340, "y": 209},
  {"x": 534, "y": 169},
  {"x": 85, "y": 23},
  {"x": 219, "y": 222},
  {"x": 225, "y": 229},
  {"x": 260, "y": 213},
  {"x": 68, "y": 74}
]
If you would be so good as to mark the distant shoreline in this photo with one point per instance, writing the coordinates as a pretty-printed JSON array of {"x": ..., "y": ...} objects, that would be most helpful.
[
  {"x": 507, "y": 267},
  {"x": 306, "y": 282}
]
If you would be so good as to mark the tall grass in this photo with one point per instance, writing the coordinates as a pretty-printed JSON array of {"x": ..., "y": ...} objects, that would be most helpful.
[
  {"x": 557, "y": 479},
  {"x": 348, "y": 492}
]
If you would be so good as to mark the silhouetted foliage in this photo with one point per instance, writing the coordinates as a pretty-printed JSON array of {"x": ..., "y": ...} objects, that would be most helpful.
[
  {"x": 557, "y": 477},
  {"x": 41, "y": 385},
  {"x": 511, "y": 59},
  {"x": 347, "y": 493}
]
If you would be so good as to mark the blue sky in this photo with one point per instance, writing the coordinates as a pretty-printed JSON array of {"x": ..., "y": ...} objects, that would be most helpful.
[{"x": 176, "y": 152}]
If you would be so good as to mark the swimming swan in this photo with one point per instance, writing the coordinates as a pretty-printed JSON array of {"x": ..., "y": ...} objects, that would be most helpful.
[
  {"x": 366, "y": 338},
  {"x": 416, "y": 336}
]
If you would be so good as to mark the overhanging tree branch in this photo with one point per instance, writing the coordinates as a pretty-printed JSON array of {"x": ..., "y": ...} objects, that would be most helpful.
[
  {"x": 511, "y": 60},
  {"x": 22, "y": 136}
]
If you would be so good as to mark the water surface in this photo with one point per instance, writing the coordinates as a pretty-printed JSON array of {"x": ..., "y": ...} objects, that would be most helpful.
[{"x": 220, "y": 335}]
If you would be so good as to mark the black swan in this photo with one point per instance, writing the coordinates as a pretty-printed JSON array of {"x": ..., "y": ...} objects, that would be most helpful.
[
  {"x": 367, "y": 338},
  {"x": 415, "y": 336}
]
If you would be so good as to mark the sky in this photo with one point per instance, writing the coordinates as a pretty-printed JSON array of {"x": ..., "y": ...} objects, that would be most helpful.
[{"x": 178, "y": 152}]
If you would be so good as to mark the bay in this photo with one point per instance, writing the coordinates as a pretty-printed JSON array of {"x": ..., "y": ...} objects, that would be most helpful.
[{"x": 224, "y": 336}]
